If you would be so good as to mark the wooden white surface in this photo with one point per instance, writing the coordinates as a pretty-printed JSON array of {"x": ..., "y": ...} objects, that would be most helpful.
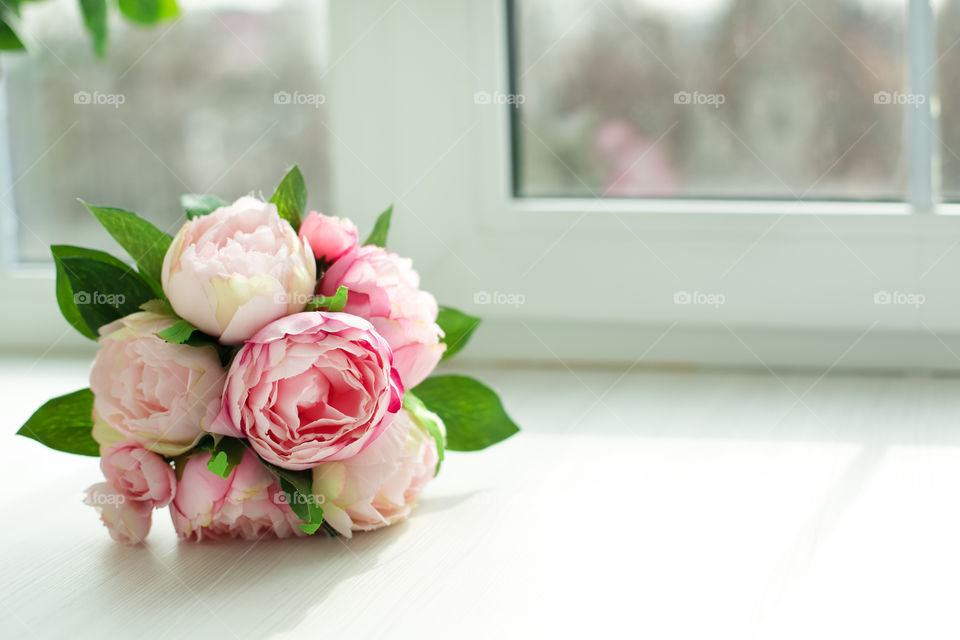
[{"x": 658, "y": 505}]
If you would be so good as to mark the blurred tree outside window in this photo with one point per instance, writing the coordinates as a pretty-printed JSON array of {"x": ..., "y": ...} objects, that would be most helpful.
[{"x": 767, "y": 99}]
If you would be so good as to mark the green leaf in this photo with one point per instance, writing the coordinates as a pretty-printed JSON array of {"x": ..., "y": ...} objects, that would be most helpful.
[
  {"x": 146, "y": 244},
  {"x": 199, "y": 339},
  {"x": 66, "y": 301},
  {"x": 225, "y": 455},
  {"x": 428, "y": 421},
  {"x": 182, "y": 332},
  {"x": 104, "y": 288},
  {"x": 339, "y": 301},
  {"x": 13, "y": 6},
  {"x": 297, "y": 487},
  {"x": 336, "y": 302},
  {"x": 95, "y": 20},
  {"x": 291, "y": 197},
  {"x": 65, "y": 292},
  {"x": 471, "y": 411},
  {"x": 65, "y": 423},
  {"x": 457, "y": 328},
  {"x": 178, "y": 333},
  {"x": 149, "y": 11},
  {"x": 9, "y": 40},
  {"x": 196, "y": 206},
  {"x": 380, "y": 229}
]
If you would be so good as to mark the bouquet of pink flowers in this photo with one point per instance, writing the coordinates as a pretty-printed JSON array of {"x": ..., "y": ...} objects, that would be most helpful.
[{"x": 260, "y": 373}]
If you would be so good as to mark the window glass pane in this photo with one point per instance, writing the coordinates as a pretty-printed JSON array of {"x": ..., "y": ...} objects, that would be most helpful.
[
  {"x": 187, "y": 106},
  {"x": 948, "y": 80},
  {"x": 711, "y": 98}
]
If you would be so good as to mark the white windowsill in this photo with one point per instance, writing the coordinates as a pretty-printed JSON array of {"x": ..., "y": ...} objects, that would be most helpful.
[{"x": 725, "y": 495}]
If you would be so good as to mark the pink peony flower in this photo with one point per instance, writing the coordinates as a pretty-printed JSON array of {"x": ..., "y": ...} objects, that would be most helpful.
[
  {"x": 247, "y": 504},
  {"x": 329, "y": 236},
  {"x": 138, "y": 474},
  {"x": 384, "y": 288},
  {"x": 149, "y": 391},
  {"x": 237, "y": 269},
  {"x": 381, "y": 485},
  {"x": 310, "y": 387},
  {"x": 127, "y": 520}
]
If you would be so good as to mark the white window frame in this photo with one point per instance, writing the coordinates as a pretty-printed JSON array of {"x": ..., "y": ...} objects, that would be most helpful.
[
  {"x": 31, "y": 319},
  {"x": 598, "y": 276},
  {"x": 801, "y": 293}
]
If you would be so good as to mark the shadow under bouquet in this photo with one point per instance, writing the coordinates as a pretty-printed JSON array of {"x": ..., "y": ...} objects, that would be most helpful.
[{"x": 262, "y": 372}]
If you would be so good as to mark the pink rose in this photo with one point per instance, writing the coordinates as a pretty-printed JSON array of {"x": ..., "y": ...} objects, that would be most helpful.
[
  {"x": 247, "y": 504},
  {"x": 127, "y": 520},
  {"x": 381, "y": 485},
  {"x": 384, "y": 288},
  {"x": 139, "y": 474},
  {"x": 310, "y": 387},
  {"x": 152, "y": 392},
  {"x": 329, "y": 236},
  {"x": 237, "y": 269}
]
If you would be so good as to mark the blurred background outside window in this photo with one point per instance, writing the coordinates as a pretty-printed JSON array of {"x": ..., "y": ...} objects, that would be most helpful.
[
  {"x": 219, "y": 100},
  {"x": 767, "y": 99}
]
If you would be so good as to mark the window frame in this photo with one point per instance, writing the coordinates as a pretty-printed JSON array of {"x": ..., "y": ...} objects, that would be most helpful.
[
  {"x": 420, "y": 141},
  {"x": 473, "y": 57},
  {"x": 31, "y": 320}
]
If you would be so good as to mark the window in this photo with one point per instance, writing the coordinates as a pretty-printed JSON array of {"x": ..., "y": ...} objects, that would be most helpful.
[
  {"x": 210, "y": 103},
  {"x": 423, "y": 109},
  {"x": 768, "y": 99}
]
